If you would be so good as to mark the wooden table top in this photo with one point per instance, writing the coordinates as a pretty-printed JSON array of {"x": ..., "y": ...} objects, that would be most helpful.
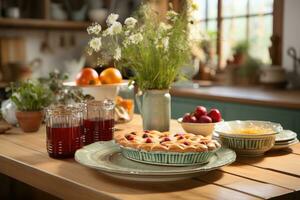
[
  {"x": 23, "y": 156},
  {"x": 247, "y": 95}
]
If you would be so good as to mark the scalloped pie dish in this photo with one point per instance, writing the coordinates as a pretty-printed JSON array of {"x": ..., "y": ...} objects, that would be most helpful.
[{"x": 165, "y": 148}]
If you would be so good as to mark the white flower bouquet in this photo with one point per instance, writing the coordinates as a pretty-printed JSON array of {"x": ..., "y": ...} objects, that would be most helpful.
[{"x": 154, "y": 49}]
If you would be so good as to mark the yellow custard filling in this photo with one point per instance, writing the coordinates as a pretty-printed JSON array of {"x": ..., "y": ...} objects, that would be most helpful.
[{"x": 252, "y": 131}]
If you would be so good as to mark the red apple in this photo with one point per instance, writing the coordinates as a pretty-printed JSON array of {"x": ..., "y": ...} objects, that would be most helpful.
[
  {"x": 193, "y": 119},
  {"x": 215, "y": 115},
  {"x": 186, "y": 117},
  {"x": 189, "y": 118},
  {"x": 200, "y": 111},
  {"x": 205, "y": 119}
]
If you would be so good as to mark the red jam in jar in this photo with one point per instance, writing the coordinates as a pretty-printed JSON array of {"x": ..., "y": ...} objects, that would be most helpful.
[
  {"x": 98, "y": 121},
  {"x": 64, "y": 127}
]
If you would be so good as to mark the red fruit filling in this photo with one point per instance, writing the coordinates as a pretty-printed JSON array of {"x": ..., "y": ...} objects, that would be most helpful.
[
  {"x": 148, "y": 140},
  {"x": 180, "y": 137},
  {"x": 129, "y": 137}
]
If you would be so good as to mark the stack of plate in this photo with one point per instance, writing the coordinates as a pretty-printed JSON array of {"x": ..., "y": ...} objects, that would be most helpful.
[{"x": 285, "y": 139}]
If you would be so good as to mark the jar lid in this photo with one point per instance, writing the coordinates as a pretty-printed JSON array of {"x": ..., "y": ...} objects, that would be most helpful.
[
  {"x": 96, "y": 104},
  {"x": 60, "y": 109}
]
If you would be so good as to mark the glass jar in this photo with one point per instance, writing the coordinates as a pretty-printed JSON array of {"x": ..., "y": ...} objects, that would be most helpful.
[
  {"x": 64, "y": 127},
  {"x": 98, "y": 121}
]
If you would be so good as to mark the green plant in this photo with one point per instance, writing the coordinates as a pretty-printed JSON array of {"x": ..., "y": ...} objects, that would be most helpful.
[
  {"x": 241, "y": 47},
  {"x": 249, "y": 68},
  {"x": 31, "y": 96},
  {"x": 154, "y": 50},
  {"x": 63, "y": 94},
  {"x": 207, "y": 46}
]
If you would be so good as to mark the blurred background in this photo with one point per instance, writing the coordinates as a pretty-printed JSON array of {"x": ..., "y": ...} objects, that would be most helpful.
[
  {"x": 249, "y": 46},
  {"x": 38, "y": 36},
  {"x": 247, "y": 64}
]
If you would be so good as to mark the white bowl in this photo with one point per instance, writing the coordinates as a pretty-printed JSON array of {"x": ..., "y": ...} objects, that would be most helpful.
[
  {"x": 100, "y": 92},
  {"x": 225, "y": 128},
  {"x": 205, "y": 129},
  {"x": 248, "y": 144}
]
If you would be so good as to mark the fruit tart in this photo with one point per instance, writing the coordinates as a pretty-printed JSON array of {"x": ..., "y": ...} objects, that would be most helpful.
[{"x": 165, "y": 148}]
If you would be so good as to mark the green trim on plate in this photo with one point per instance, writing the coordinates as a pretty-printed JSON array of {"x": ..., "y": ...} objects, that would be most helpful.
[
  {"x": 285, "y": 135},
  {"x": 107, "y": 158},
  {"x": 167, "y": 158}
]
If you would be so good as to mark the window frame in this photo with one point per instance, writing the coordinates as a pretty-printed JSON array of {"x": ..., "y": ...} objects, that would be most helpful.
[{"x": 277, "y": 27}]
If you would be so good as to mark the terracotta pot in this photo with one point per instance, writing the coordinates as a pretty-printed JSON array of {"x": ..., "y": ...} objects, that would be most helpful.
[
  {"x": 29, "y": 121},
  {"x": 239, "y": 58}
]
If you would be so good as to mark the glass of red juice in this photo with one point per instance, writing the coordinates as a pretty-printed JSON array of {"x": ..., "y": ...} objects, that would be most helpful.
[
  {"x": 64, "y": 127},
  {"x": 98, "y": 121}
]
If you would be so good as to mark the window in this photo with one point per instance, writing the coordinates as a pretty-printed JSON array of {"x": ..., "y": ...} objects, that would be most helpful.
[{"x": 237, "y": 20}]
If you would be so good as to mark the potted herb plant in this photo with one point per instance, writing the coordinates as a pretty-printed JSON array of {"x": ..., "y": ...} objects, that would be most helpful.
[
  {"x": 154, "y": 50},
  {"x": 247, "y": 73},
  {"x": 63, "y": 94},
  {"x": 31, "y": 98},
  {"x": 240, "y": 52}
]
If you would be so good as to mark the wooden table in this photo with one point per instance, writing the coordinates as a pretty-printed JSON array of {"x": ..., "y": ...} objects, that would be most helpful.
[{"x": 23, "y": 156}]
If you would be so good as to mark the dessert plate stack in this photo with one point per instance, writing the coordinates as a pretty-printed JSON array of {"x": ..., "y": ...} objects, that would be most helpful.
[{"x": 285, "y": 139}]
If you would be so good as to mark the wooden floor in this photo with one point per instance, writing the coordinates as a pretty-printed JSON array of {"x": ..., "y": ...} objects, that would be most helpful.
[{"x": 24, "y": 157}]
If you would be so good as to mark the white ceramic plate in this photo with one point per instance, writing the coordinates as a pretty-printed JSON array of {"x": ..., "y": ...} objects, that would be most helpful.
[
  {"x": 285, "y": 145},
  {"x": 286, "y": 142},
  {"x": 107, "y": 158},
  {"x": 285, "y": 135}
]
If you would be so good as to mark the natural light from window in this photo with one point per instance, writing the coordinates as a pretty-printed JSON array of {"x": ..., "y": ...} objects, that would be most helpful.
[{"x": 240, "y": 20}]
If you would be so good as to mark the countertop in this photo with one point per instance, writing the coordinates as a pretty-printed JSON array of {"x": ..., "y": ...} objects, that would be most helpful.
[
  {"x": 246, "y": 95},
  {"x": 23, "y": 156}
]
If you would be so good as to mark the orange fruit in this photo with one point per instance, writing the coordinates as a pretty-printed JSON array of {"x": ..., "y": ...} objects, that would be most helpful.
[
  {"x": 110, "y": 76},
  {"x": 127, "y": 104},
  {"x": 119, "y": 100},
  {"x": 87, "y": 76}
]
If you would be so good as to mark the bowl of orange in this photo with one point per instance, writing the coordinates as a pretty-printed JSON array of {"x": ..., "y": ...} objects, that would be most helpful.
[{"x": 103, "y": 86}]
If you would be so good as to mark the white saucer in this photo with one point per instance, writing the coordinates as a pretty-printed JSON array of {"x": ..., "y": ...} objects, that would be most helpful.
[
  {"x": 285, "y": 135},
  {"x": 283, "y": 145}
]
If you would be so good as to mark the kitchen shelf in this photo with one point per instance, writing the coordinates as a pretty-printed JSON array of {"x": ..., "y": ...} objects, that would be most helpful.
[{"x": 43, "y": 24}]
